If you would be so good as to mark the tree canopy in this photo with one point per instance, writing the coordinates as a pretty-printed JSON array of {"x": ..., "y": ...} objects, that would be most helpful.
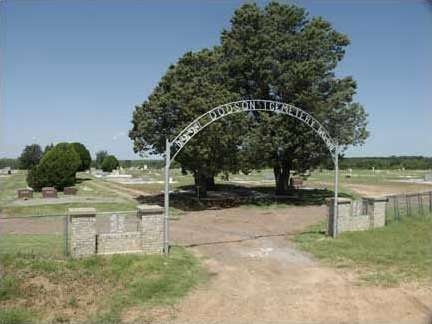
[
  {"x": 190, "y": 88},
  {"x": 30, "y": 156},
  {"x": 100, "y": 157},
  {"x": 57, "y": 168},
  {"x": 84, "y": 155},
  {"x": 275, "y": 53},
  {"x": 110, "y": 163}
]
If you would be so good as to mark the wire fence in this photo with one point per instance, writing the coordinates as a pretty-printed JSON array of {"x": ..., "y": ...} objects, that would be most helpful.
[
  {"x": 408, "y": 205},
  {"x": 49, "y": 235}
]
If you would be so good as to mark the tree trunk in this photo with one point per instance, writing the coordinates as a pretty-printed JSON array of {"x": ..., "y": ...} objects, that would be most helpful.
[
  {"x": 211, "y": 182},
  {"x": 200, "y": 184},
  {"x": 282, "y": 177}
]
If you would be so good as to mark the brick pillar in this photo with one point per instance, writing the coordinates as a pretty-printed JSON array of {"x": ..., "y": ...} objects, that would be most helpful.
[
  {"x": 82, "y": 231},
  {"x": 344, "y": 215},
  {"x": 152, "y": 228},
  {"x": 376, "y": 211}
]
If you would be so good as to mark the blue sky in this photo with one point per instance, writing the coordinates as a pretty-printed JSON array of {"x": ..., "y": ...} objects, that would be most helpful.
[{"x": 73, "y": 70}]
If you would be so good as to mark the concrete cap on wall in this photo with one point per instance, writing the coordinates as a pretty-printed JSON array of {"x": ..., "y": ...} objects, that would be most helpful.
[
  {"x": 376, "y": 198},
  {"x": 82, "y": 211},
  {"x": 341, "y": 200},
  {"x": 149, "y": 209}
]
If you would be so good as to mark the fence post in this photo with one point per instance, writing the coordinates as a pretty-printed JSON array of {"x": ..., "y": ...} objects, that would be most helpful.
[
  {"x": 66, "y": 235},
  {"x": 408, "y": 207},
  {"x": 430, "y": 201},
  {"x": 83, "y": 231},
  {"x": 420, "y": 202}
]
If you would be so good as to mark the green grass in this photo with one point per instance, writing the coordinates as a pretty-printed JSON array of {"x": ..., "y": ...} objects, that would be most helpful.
[
  {"x": 38, "y": 245},
  {"x": 86, "y": 189},
  {"x": 122, "y": 281},
  {"x": 10, "y": 184},
  {"x": 61, "y": 209},
  {"x": 15, "y": 316},
  {"x": 399, "y": 252}
]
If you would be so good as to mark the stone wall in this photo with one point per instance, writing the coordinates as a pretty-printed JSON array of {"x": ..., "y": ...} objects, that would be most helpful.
[
  {"x": 119, "y": 243},
  {"x": 357, "y": 215},
  {"x": 147, "y": 239},
  {"x": 152, "y": 228},
  {"x": 82, "y": 231}
]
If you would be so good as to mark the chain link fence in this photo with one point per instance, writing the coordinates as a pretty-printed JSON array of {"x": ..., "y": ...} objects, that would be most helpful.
[
  {"x": 34, "y": 234},
  {"x": 48, "y": 235},
  {"x": 408, "y": 205}
]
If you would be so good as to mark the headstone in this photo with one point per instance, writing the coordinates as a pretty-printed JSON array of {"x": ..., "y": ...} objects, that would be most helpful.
[
  {"x": 117, "y": 223},
  {"x": 70, "y": 191},
  {"x": 269, "y": 176},
  {"x": 49, "y": 192},
  {"x": 297, "y": 182},
  {"x": 145, "y": 166},
  {"x": 25, "y": 193},
  {"x": 6, "y": 170}
]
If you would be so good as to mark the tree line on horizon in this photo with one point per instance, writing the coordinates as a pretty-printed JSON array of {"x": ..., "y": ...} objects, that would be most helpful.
[{"x": 415, "y": 162}]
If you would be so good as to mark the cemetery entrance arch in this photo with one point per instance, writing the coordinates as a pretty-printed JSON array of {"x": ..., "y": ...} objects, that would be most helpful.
[{"x": 175, "y": 146}]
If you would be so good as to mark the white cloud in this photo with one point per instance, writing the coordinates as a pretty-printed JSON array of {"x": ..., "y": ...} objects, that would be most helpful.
[{"x": 118, "y": 135}]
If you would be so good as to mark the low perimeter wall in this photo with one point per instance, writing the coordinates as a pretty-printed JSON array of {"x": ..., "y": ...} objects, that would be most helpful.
[
  {"x": 85, "y": 241},
  {"x": 356, "y": 215}
]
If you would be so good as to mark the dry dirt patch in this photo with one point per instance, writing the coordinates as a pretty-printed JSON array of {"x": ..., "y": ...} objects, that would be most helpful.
[{"x": 260, "y": 277}]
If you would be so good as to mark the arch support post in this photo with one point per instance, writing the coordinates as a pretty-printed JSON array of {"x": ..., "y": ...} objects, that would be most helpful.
[
  {"x": 336, "y": 190},
  {"x": 166, "y": 197}
]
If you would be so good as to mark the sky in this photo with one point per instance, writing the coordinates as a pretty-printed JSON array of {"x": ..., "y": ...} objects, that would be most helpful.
[{"x": 74, "y": 70}]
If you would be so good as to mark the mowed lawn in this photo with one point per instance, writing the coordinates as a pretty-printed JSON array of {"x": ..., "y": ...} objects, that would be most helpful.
[
  {"x": 398, "y": 252},
  {"x": 89, "y": 195}
]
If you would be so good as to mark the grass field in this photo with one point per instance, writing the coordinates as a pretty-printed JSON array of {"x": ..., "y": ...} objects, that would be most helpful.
[
  {"x": 390, "y": 180},
  {"x": 89, "y": 195},
  {"x": 97, "y": 289},
  {"x": 386, "y": 256}
]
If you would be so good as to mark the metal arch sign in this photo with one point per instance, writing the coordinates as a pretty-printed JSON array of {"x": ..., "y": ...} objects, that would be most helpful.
[
  {"x": 244, "y": 106},
  {"x": 236, "y": 107}
]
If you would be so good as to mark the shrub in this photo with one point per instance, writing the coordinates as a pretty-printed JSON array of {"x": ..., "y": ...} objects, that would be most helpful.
[
  {"x": 57, "y": 168},
  {"x": 30, "y": 156},
  {"x": 110, "y": 163},
  {"x": 100, "y": 157},
  {"x": 84, "y": 155}
]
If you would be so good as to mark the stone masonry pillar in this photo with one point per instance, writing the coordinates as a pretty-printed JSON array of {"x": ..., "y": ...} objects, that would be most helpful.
[
  {"x": 344, "y": 216},
  {"x": 376, "y": 208},
  {"x": 82, "y": 231},
  {"x": 151, "y": 227}
]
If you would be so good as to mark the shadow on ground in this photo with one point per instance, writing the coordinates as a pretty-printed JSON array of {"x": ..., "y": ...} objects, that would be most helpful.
[{"x": 228, "y": 196}]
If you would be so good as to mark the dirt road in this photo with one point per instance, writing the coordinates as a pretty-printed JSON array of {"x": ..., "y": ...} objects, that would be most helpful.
[{"x": 258, "y": 276}]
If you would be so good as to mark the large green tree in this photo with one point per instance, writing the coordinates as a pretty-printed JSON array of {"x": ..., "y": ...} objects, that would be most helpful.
[
  {"x": 191, "y": 87},
  {"x": 278, "y": 53},
  {"x": 84, "y": 154},
  {"x": 30, "y": 156},
  {"x": 110, "y": 163},
  {"x": 100, "y": 157},
  {"x": 57, "y": 168}
]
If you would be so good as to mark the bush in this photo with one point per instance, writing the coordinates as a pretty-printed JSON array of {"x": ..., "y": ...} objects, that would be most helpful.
[
  {"x": 84, "y": 155},
  {"x": 56, "y": 169},
  {"x": 110, "y": 163},
  {"x": 30, "y": 156}
]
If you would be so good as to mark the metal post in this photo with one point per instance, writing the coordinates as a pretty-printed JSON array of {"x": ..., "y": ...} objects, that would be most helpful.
[
  {"x": 166, "y": 197},
  {"x": 66, "y": 235},
  {"x": 336, "y": 188}
]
